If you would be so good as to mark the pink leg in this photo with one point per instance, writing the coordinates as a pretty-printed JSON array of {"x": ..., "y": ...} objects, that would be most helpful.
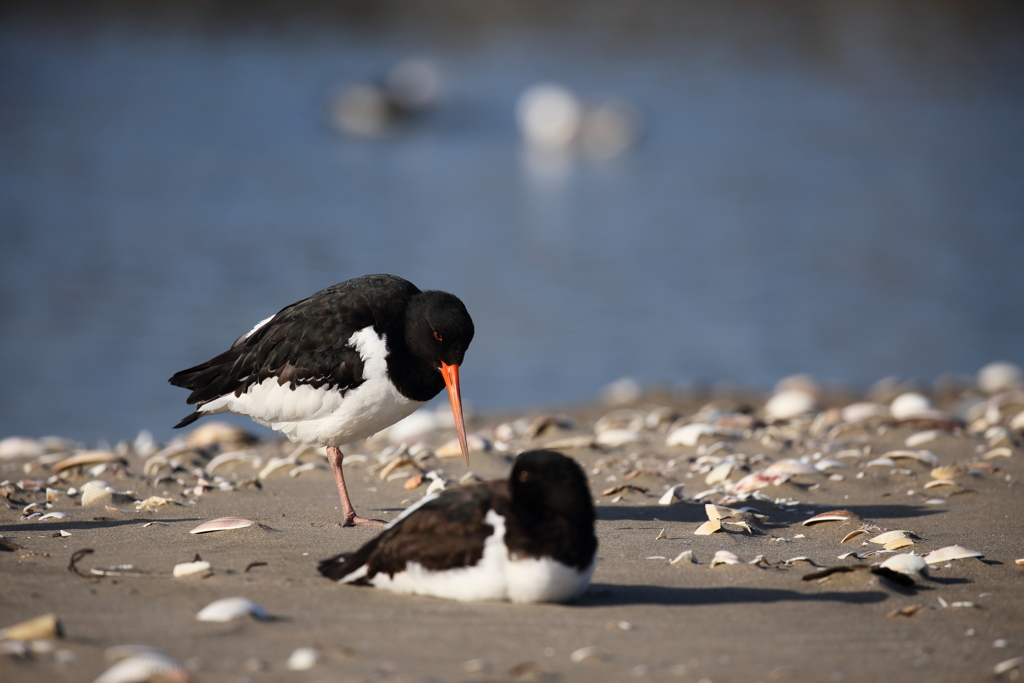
[{"x": 335, "y": 457}]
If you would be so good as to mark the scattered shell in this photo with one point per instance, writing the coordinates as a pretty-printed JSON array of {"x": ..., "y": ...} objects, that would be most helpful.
[
  {"x": 911, "y": 565},
  {"x": 720, "y": 512},
  {"x": 145, "y": 664},
  {"x": 1000, "y": 452},
  {"x": 305, "y": 467},
  {"x": 228, "y": 609},
  {"x": 757, "y": 480},
  {"x": 219, "y": 434},
  {"x": 685, "y": 556},
  {"x": 921, "y": 456},
  {"x": 863, "y": 411},
  {"x": 197, "y": 569},
  {"x": 709, "y": 527},
  {"x": 661, "y": 535},
  {"x": 20, "y": 447},
  {"x": 85, "y": 458},
  {"x": 725, "y": 557},
  {"x": 614, "y": 438},
  {"x": 152, "y": 503},
  {"x": 39, "y": 628},
  {"x": 881, "y": 462},
  {"x": 898, "y": 543},
  {"x": 1000, "y": 376},
  {"x": 890, "y": 536},
  {"x": 826, "y": 464},
  {"x": 939, "y": 482},
  {"x": 222, "y": 524},
  {"x": 672, "y": 495},
  {"x": 54, "y": 515},
  {"x": 951, "y": 552},
  {"x": 402, "y": 461},
  {"x": 949, "y": 471},
  {"x": 998, "y": 436},
  {"x": 251, "y": 459},
  {"x": 571, "y": 443},
  {"x": 1019, "y": 562},
  {"x": 910, "y": 405},
  {"x": 96, "y": 492},
  {"x": 303, "y": 659},
  {"x": 412, "y": 482},
  {"x": 452, "y": 449},
  {"x": 833, "y": 516},
  {"x": 921, "y": 438},
  {"x": 589, "y": 652},
  {"x": 275, "y": 464},
  {"x": 853, "y": 534},
  {"x": 1008, "y": 665},
  {"x": 689, "y": 435},
  {"x": 619, "y": 488},
  {"x": 719, "y": 473}
]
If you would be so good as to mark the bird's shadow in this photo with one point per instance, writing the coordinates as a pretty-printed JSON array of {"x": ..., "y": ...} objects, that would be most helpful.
[
  {"x": 612, "y": 595},
  {"x": 695, "y": 513}
]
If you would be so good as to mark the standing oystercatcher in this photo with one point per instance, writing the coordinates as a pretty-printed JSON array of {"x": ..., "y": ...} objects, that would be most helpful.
[
  {"x": 529, "y": 538},
  {"x": 339, "y": 366}
]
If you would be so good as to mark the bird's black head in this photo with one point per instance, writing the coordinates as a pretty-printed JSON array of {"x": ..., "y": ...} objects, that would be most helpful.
[
  {"x": 547, "y": 483},
  {"x": 438, "y": 328}
]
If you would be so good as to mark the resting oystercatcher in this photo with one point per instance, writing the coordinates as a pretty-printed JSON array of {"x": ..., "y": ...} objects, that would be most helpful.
[
  {"x": 529, "y": 538},
  {"x": 339, "y": 366}
]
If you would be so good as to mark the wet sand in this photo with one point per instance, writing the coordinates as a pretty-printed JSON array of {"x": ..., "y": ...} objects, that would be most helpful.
[{"x": 650, "y": 620}]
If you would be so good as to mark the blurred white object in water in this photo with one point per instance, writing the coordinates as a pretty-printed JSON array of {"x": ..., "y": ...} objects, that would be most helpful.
[
  {"x": 1000, "y": 376},
  {"x": 548, "y": 116},
  {"x": 609, "y": 129}
]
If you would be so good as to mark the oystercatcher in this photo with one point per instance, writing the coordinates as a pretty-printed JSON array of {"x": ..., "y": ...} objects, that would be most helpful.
[
  {"x": 529, "y": 538},
  {"x": 339, "y": 366}
]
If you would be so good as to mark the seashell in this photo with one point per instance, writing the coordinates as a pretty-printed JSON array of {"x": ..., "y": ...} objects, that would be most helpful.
[
  {"x": 720, "y": 511},
  {"x": 921, "y": 456},
  {"x": 615, "y": 438},
  {"x": 1000, "y": 376},
  {"x": 145, "y": 664},
  {"x": 96, "y": 492},
  {"x": 790, "y": 403},
  {"x": 303, "y": 659},
  {"x": 881, "y": 462},
  {"x": 54, "y": 494},
  {"x": 274, "y": 464},
  {"x": 725, "y": 557},
  {"x": 832, "y": 516},
  {"x": 672, "y": 495},
  {"x": 863, "y": 411},
  {"x": 898, "y": 543},
  {"x": 790, "y": 466},
  {"x": 619, "y": 488},
  {"x": 741, "y": 524},
  {"x": 452, "y": 449},
  {"x": 951, "y": 552},
  {"x": 911, "y": 565},
  {"x": 218, "y": 434},
  {"x": 1001, "y": 452},
  {"x": 437, "y": 483},
  {"x": 624, "y": 418},
  {"x": 589, "y": 652},
  {"x": 222, "y": 524},
  {"x": 939, "y": 482},
  {"x": 719, "y": 473},
  {"x": 1017, "y": 423},
  {"x": 152, "y": 503},
  {"x": 998, "y": 436},
  {"x": 305, "y": 467},
  {"x": 571, "y": 443},
  {"x": 85, "y": 458},
  {"x": 197, "y": 569},
  {"x": 709, "y": 527},
  {"x": 921, "y": 438},
  {"x": 1008, "y": 665},
  {"x": 20, "y": 447},
  {"x": 684, "y": 557},
  {"x": 394, "y": 464},
  {"x": 826, "y": 464},
  {"x": 910, "y": 405},
  {"x": 949, "y": 471},
  {"x": 228, "y": 609},
  {"x": 853, "y": 534},
  {"x": 757, "y": 480},
  {"x": 54, "y": 515},
  {"x": 544, "y": 423},
  {"x": 890, "y": 536},
  {"x": 1019, "y": 562},
  {"x": 691, "y": 434},
  {"x": 469, "y": 478},
  {"x": 39, "y": 628},
  {"x": 234, "y": 456},
  {"x": 413, "y": 482}
]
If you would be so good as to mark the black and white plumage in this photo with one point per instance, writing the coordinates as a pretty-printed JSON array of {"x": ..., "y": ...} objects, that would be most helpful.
[
  {"x": 339, "y": 366},
  {"x": 529, "y": 538}
]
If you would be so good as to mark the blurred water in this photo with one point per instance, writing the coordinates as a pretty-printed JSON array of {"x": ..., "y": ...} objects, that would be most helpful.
[{"x": 823, "y": 188}]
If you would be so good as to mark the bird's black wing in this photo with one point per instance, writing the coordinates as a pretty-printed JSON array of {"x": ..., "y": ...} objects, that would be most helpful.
[
  {"x": 305, "y": 343},
  {"x": 445, "y": 533}
]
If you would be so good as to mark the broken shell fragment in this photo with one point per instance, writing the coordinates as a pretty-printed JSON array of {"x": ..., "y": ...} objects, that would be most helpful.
[
  {"x": 951, "y": 552},
  {"x": 39, "y": 628},
  {"x": 685, "y": 557},
  {"x": 228, "y": 609},
  {"x": 303, "y": 659},
  {"x": 145, "y": 664},
  {"x": 85, "y": 458},
  {"x": 589, "y": 652},
  {"x": 853, "y": 534},
  {"x": 949, "y": 471},
  {"x": 672, "y": 495},
  {"x": 222, "y": 524},
  {"x": 790, "y": 466},
  {"x": 911, "y": 565},
  {"x": 926, "y": 457},
  {"x": 725, "y": 557},
  {"x": 197, "y": 569},
  {"x": 833, "y": 516},
  {"x": 709, "y": 527},
  {"x": 152, "y": 503},
  {"x": 96, "y": 492},
  {"x": 890, "y": 536},
  {"x": 898, "y": 543}
]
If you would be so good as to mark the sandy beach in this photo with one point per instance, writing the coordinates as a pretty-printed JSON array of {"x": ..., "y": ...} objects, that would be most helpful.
[{"x": 643, "y": 618}]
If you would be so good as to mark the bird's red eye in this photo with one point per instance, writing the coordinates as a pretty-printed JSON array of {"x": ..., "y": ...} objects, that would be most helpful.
[
  {"x": 437, "y": 336},
  {"x": 524, "y": 476}
]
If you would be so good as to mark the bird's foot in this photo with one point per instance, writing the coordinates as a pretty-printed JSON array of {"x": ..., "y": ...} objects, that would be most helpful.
[{"x": 356, "y": 520}]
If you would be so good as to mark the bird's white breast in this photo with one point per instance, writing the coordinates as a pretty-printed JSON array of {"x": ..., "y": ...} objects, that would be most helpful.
[{"x": 322, "y": 415}]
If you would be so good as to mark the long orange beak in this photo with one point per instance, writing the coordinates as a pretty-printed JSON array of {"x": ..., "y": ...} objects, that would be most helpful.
[{"x": 451, "y": 380}]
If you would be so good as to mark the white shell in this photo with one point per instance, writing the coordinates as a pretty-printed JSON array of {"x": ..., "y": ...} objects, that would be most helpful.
[
  {"x": 613, "y": 438},
  {"x": 54, "y": 515},
  {"x": 951, "y": 552},
  {"x": 718, "y": 473},
  {"x": 725, "y": 557},
  {"x": 588, "y": 652},
  {"x": 863, "y": 411},
  {"x": 906, "y": 564},
  {"x": 85, "y": 458},
  {"x": 222, "y": 524},
  {"x": 303, "y": 659},
  {"x": 689, "y": 435},
  {"x": 1000, "y": 376},
  {"x": 790, "y": 466},
  {"x": 197, "y": 569},
  {"x": 144, "y": 665},
  {"x": 921, "y": 438},
  {"x": 95, "y": 492},
  {"x": 707, "y": 528},
  {"x": 926, "y": 457},
  {"x": 685, "y": 556},
  {"x": 672, "y": 495},
  {"x": 909, "y": 405},
  {"x": 832, "y": 516},
  {"x": 790, "y": 403},
  {"x": 890, "y": 536},
  {"x": 234, "y": 456},
  {"x": 227, "y": 609},
  {"x": 20, "y": 447}
]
